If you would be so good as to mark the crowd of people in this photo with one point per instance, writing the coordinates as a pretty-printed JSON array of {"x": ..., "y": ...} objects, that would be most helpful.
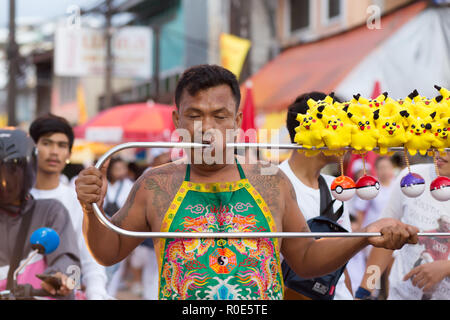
[{"x": 168, "y": 195}]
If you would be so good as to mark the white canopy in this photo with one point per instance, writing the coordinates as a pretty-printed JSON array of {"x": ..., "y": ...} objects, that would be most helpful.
[{"x": 417, "y": 56}]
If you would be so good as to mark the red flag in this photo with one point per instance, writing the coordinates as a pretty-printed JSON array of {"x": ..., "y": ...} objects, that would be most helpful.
[
  {"x": 376, "y": 90},
  {"x": 248, "y": 116}
]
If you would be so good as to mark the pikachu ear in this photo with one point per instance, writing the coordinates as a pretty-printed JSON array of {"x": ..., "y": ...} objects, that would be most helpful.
[
  {"x": 439, "y": 99},
  {"x": 433, "y": 115},
  {"x": 389, "y": 100},
  {"x": 428, "y": 126},
  {"x": 320, "y": 109},
  {"x": 311, "y": 102},
  {"x": 356, "y": 97},
  {"x": 413, "y": 94},
  {"x": 363, "y": 100},
  {"x": 319, "y": 116},
  {"x": 382, "y": 97},
  {"x": 404, "y": 114},
  {"x": 329, "y": 99},
  {"x": 376, "y": 114}
]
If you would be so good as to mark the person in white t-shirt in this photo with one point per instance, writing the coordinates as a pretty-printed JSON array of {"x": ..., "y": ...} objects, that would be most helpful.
[
  {"x": 421, "y": 271},
  {"x": 54, "y": 138},
  {"x": 119, "y": 186},
  {"x": 142, "y": 261},
  {"x": 303, "y": 172},
  {"x": 369, "y": 211}
]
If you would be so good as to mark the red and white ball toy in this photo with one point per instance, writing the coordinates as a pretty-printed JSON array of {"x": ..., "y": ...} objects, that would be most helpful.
[
  {"x": 343, "y": 188},
  {"x": 367, "y": 187},
  {"x": 440, "y": 188}
]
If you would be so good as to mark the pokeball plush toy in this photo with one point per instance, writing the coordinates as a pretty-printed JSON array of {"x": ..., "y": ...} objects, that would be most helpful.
[
  {"x": 343, "y": 188},
  {"x": 440, "y": 188},
  {"x": 412, "y": 185},
  {"x": 367, "y": 187}
]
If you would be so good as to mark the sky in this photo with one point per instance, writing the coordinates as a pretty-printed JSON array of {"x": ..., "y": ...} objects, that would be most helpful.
[{"x": 40, "y": 10}]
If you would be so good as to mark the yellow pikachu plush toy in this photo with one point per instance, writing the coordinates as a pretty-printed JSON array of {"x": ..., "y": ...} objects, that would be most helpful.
[
  {"x": 373, "y": 103},
  {"x": 442, "y": 107},
  {"x": 309, "y": 132},
  {"x": 364, "y": 132},
  {"x": 443, "y": 102},
  {"x": 390, "y": 126},
  {"x": 418, "y": 135},
  {"x": 444, "y": 92},
  {"x": 338, "y": 132},
  {"x": 429, "y": 104},
  {"x": 440, "y": 131}
]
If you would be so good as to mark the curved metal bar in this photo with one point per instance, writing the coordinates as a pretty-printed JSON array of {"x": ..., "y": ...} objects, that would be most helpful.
[{"x": 106, "y": 221}]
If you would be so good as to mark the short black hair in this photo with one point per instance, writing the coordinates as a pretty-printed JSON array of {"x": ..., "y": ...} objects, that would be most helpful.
[
  {"x": 51, "y": 123},
  {"x": 300, "y": 106},
  {"x": 206, "y": 76}
]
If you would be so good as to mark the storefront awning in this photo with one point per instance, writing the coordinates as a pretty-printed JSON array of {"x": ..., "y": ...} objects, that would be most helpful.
[{"x": 321, "y": 65}]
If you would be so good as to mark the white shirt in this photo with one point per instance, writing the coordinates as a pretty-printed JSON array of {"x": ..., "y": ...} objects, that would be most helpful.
[
  {"x": 113, "y": 189},
  {"x": 422, "y": 212},
  {"x": 93, "y": 274},
  {"x": 373, "y": 208},
  {"x": 308, "y": 200}
]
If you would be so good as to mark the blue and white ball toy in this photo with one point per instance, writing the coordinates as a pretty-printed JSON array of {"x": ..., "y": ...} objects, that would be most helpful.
[{"x": 412, "y": 185}]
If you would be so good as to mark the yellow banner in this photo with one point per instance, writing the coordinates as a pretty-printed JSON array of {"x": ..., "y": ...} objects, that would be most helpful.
[
  {"x": 233, "y": 51},
  {"x": 3, "y": 120},
  {"x": 82, "y": 113}
]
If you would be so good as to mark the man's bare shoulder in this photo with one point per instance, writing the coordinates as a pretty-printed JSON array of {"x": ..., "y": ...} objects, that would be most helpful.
[
  {"x": 165, "y": 169},
  {"x": 164, "y": 177},
  {"x": 264, "y": 172}
]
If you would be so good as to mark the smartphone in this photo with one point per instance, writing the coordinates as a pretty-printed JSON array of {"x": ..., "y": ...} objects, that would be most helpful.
[{"x": 55, "y": 282}]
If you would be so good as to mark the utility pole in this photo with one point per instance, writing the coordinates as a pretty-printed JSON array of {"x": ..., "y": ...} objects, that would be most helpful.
[
  {"x": 109, "y": 58},
  {"x": 12, "y": 52},
  {"x": 157, "y": 35},
  {"x": 240, "y": 25}
]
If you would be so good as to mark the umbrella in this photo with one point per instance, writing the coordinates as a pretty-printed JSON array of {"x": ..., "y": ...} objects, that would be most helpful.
[{"x": 131, "y": 122}]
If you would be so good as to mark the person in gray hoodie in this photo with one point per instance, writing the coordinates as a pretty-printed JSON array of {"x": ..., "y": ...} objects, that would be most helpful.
[{"x": 17, "y": 176}]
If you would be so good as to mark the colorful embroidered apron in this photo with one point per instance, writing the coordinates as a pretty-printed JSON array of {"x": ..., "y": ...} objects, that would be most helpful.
[{"x": 219, "y": 269}]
